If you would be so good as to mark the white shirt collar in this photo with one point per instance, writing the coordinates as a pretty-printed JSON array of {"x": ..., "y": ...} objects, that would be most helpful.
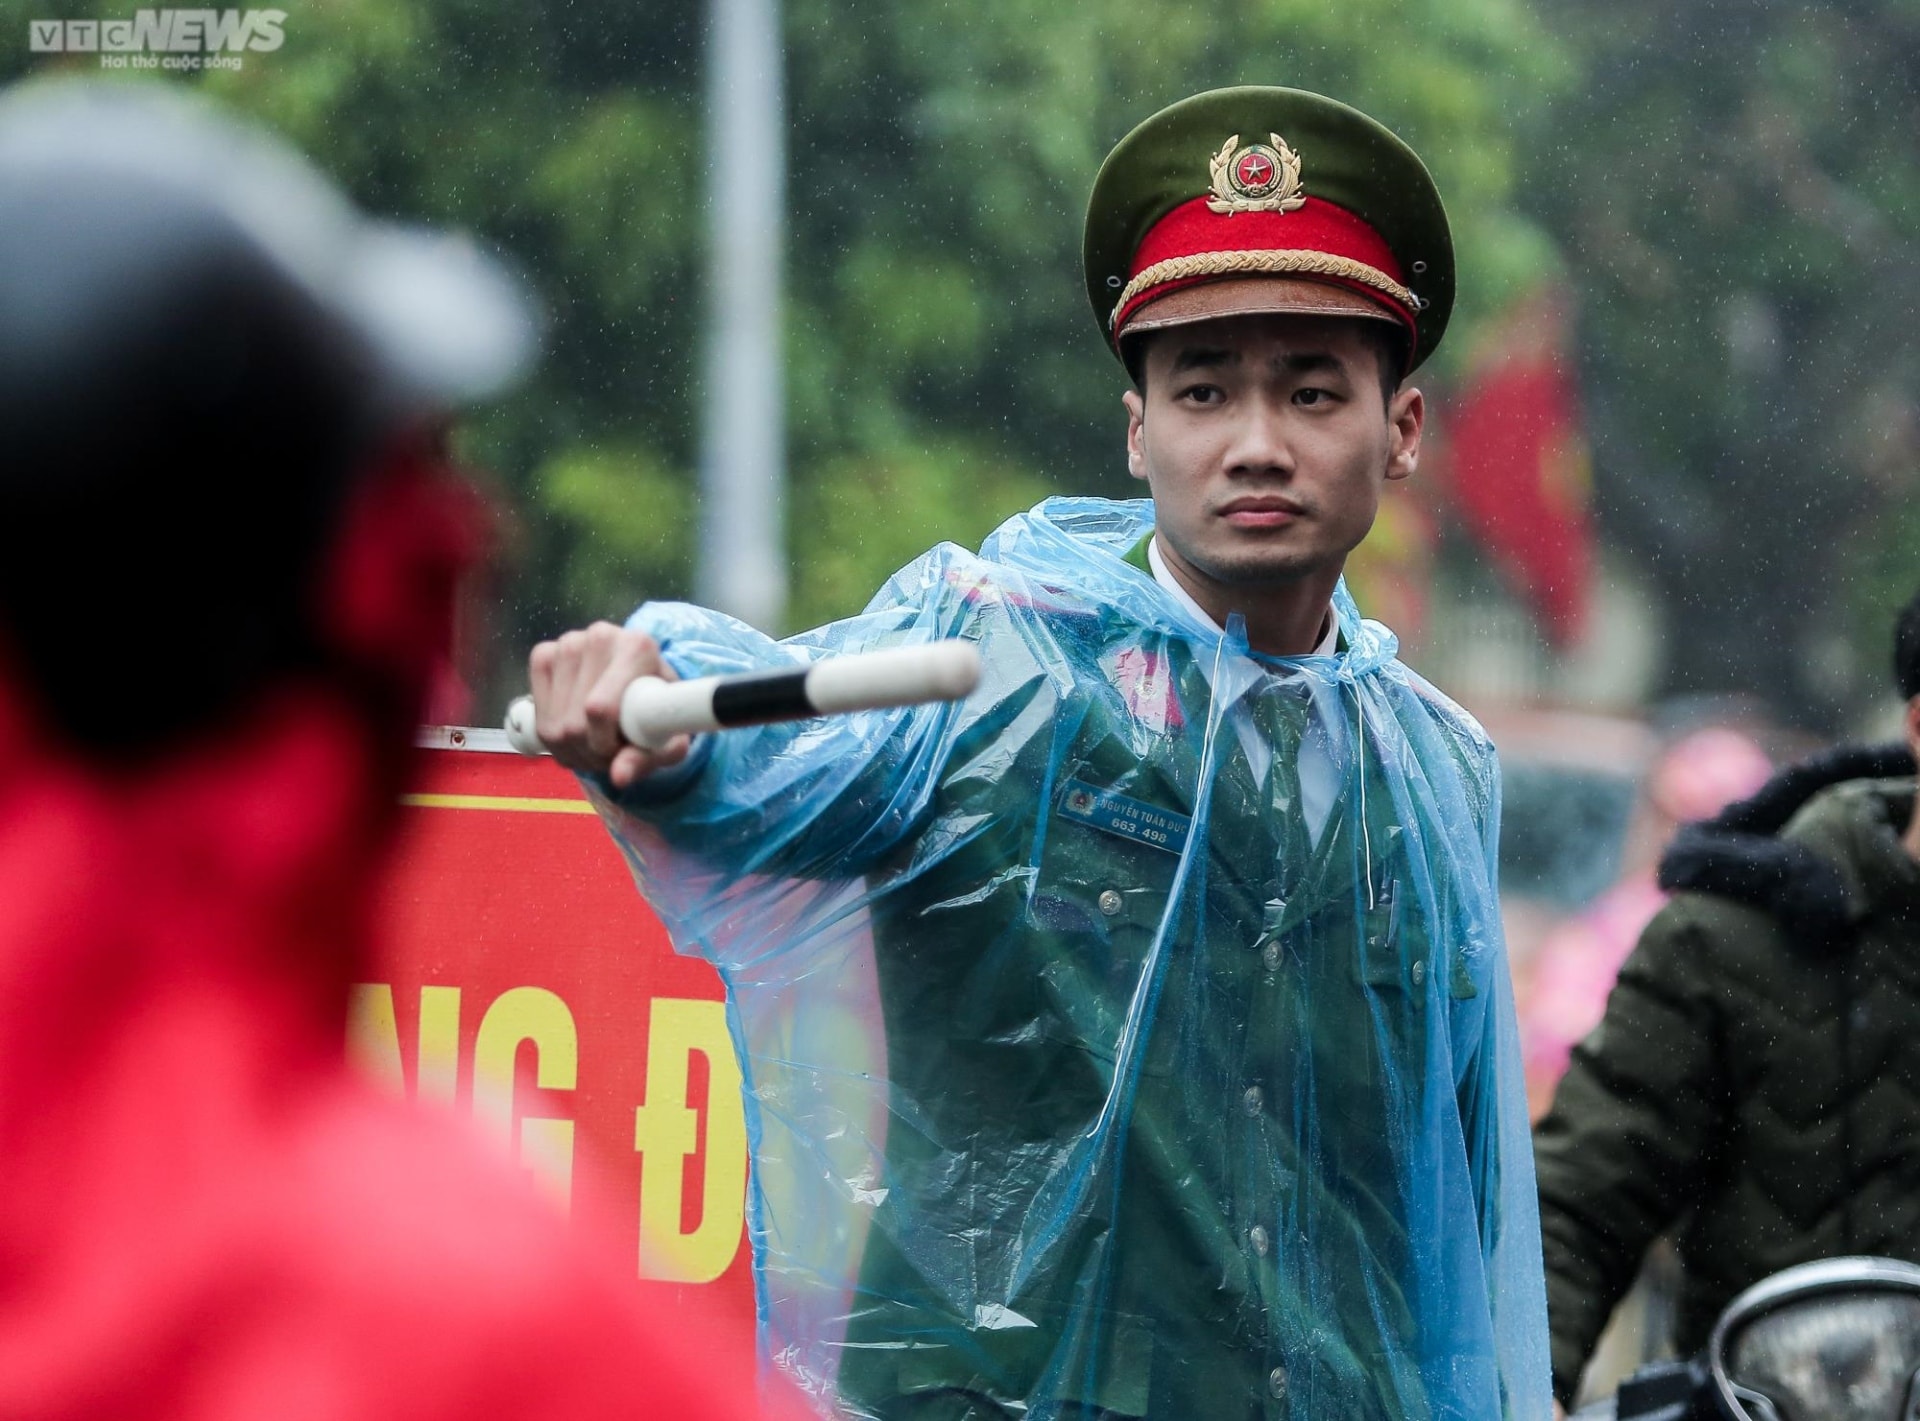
[{"x": 1329, "y": 644}]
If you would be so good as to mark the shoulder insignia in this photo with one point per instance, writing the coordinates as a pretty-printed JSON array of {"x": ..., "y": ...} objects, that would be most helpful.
[{"x": 976, "y": 589}]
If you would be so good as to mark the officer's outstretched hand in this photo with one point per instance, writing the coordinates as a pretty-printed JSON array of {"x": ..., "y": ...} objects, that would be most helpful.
[{"x": 577, "y": 681}]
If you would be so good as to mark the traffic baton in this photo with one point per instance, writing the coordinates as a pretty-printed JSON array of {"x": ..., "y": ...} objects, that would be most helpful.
[{"x": 653, "y": 711}]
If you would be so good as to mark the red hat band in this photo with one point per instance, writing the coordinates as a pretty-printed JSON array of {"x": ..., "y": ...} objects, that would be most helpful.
[{"x": 1319, "y": 240}]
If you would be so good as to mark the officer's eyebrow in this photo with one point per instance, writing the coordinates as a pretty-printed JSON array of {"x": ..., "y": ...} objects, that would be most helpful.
[
  {"x": 1203, "y": 357},
  {"x": 1308, "y": 362},
  {"x": 1208, "y": 357}
]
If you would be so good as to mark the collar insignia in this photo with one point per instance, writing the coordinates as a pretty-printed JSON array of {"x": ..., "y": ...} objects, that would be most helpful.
[{"x": 1260, "y": 177}]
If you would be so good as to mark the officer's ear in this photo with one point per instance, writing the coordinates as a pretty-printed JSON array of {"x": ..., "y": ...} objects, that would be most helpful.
[
  {"x": 1910, "y": 723},
  {"x": 1136, "y": 433},
  {"x": 1133, "y": 355},
  {"x": 1406, "y": 422}
]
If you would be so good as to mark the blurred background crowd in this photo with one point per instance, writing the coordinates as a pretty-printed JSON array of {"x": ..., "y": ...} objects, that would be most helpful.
[{"x": 1668, "y": 514}]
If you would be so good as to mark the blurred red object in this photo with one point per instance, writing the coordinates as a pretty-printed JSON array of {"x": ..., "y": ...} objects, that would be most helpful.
[
  {"x": 1518, "y": 465},
  {"x": 208, "y": 1214},
  {"x": 232, "y": 543}
]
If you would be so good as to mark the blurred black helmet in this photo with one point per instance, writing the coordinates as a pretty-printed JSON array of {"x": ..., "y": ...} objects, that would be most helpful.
[{"x": 201, "y": 344}]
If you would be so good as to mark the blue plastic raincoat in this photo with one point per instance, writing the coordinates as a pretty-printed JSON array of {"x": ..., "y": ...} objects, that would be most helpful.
[{"x": 1133, "y": 1039}]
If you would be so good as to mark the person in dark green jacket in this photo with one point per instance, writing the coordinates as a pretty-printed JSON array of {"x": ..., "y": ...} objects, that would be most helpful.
[{"x": 1754, "y": 1086}]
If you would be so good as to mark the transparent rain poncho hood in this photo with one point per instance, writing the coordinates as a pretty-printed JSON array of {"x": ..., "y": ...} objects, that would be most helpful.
[{"x": 1131, "y": 1039}]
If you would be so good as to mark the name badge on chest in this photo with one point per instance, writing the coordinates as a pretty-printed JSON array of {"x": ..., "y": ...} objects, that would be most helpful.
[{"x": 1112, "y": 813}]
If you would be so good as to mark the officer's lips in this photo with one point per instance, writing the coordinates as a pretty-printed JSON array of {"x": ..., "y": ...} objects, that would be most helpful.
[{"x": 1262, "y": 511}]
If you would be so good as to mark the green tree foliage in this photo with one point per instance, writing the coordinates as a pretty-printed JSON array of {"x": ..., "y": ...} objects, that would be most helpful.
[
  {"x": 1738, "y": 191},
  {"x": 943, "y": 368}
]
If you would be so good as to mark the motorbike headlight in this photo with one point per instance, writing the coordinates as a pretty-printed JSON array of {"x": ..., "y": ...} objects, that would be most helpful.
[{"x": 1837, "y": 1340}]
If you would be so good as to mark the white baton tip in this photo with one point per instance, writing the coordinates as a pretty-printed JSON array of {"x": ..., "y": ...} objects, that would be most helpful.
[
  {"x": 899, "y": 676},
  {"x": 520, "y": 732},
  {"x": 953, "y": 669}
]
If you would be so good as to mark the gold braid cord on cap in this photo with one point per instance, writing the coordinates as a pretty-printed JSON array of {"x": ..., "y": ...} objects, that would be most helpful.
[{"x": 1264, "y": 263}]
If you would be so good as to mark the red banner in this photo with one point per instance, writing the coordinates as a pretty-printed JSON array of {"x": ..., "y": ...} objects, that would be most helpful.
[
  {"x": 523, "y": 978},
  {"x": 1518, "y": 456}
]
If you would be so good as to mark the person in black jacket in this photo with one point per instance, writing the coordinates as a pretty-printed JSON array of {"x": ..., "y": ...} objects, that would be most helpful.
[{"x": 1755, "y": 1084}]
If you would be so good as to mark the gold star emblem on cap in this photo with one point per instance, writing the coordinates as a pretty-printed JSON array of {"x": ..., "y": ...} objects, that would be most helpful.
[{"x": 1261, "y": 177}]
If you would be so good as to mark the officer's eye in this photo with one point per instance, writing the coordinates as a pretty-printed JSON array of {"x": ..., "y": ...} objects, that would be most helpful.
[
  {"x": 1202, "y": 394},
  {"x": 1312, "y": 396}
]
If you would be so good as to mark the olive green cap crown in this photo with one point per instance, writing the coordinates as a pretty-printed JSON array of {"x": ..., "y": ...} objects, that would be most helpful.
[{"x": 1346, "y": 159}]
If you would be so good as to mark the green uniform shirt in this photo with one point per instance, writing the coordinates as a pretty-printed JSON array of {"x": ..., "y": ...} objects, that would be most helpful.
[{"x": 1202, "y": 1314}]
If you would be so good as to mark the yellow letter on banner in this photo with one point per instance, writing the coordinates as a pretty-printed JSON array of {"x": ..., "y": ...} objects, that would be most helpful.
[
  {"x": 373, "y": 1039},
  {"x": 439, "y": 1044},
  {"x": 665, "y": 1133},
  {"x": 373, "y": 1035},
  {"x": 537, "y": 1015}
]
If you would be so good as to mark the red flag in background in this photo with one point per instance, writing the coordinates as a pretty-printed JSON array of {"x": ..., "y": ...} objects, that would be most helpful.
[{"x": 1520, "y": 473}]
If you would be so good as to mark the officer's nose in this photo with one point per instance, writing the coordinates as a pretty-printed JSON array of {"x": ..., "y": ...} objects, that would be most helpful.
[{"x": 1259, "y": 444}]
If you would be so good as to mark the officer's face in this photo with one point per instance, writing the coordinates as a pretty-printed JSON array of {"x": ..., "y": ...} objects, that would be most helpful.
[{"x": 1266, "y": 441}]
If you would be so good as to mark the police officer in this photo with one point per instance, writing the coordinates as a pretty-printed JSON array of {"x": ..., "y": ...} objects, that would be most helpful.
[{"x": 1191, "y": 1087}]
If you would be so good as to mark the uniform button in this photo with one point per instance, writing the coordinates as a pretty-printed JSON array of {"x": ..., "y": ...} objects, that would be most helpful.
[
  {"x": 1257, "y": 1236},
  {"x": 1277, "y": 1382},
  {"x": 1253, "y": 1099},
  {"x": 1270, "y": 956},
  {"x": 1109, "y": 902},
  {"x": 1419, "y": 972}
]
